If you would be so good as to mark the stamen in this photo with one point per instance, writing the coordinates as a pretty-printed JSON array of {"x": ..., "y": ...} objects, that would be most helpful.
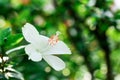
[{"x": 54, "y": 39}]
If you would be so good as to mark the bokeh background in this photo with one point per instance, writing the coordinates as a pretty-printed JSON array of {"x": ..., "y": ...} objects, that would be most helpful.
[{"x": 91, "y": 28}]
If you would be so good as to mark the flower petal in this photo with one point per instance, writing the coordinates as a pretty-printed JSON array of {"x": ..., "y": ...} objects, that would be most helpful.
[
  {"x": 30, "y": 33},
  {"x": 54, "y": 62},
  {"x": 59, "y": 48},
  {"x": 42, "y": 42},
  {"x": 33, "y": 54},
  {"x": 32, "y": 36}
]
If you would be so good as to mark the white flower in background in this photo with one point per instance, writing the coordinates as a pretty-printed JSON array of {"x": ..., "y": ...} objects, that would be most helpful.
[{"x": 43, "y": 47}]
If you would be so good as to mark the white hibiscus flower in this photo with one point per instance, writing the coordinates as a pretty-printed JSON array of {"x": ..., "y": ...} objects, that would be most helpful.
[{"x": 43, "y": 47}]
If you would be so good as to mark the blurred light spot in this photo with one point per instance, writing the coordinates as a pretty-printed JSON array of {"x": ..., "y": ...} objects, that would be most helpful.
[
  {"x": 98, "y": 74},
  {"x": 80, "y": 73},
  {"x": 87, "y": 76},
  {"x": 66, "y": 72},
  {"x": 108, "y": 14},
  {"x": 95, "y": 58},
  {"x": 81, "y": 10},
  {"x": 91, "y": 21},
  {"x": 92, "y": 45},
  {"x": 104, "y": 68},
  {"x": 116, "y": 5},
  {"x": 117, "y": 77},
  {"x": 73, "y": 32},
  {"x": 47, "y": 69},
  {"x": 49, "y": 8},
  {"x": 53, "y": 78},
  {"x": 92, "y": 27},
  {"x": 39, "y": 20},
  {"x": 99, "y": 12},
  {"x": 15, "y": 3},
  {"x": 118, "y": 24},
  {"x": 113, "y": 34},
  {"x": 91, "y": 3},
  {"x": 84, "y": 1},
  {"x": 2, "y": 23},
  {"x": 77, "y": 59},
  {"x": 69, "y": 22},
  {"x": 25, "y": 2}
]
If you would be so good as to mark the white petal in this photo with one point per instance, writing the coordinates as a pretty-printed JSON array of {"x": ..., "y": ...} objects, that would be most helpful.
[
  {"x": 30, "y": 33},
  {"x": 33, "y": 54},
  {"x": 54, "y": 62},
  {"x": 59, "y": 48},
  {"x": 42, "y": 42},
  {"x": 32, "y": 36}
]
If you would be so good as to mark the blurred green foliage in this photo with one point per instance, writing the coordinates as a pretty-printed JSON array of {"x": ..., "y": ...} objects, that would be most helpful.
[{"x": 91, "y": 28}]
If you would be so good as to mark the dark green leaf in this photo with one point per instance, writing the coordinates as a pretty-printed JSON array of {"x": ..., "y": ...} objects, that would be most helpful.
[
  {"x": 3, "y": 35},
  {"x": 13, "y": 40}
]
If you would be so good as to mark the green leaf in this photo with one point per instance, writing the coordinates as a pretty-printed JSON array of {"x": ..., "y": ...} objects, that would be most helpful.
[
  {"x": 13, "y": 40},
  {"x": 3, "y": 35}
]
